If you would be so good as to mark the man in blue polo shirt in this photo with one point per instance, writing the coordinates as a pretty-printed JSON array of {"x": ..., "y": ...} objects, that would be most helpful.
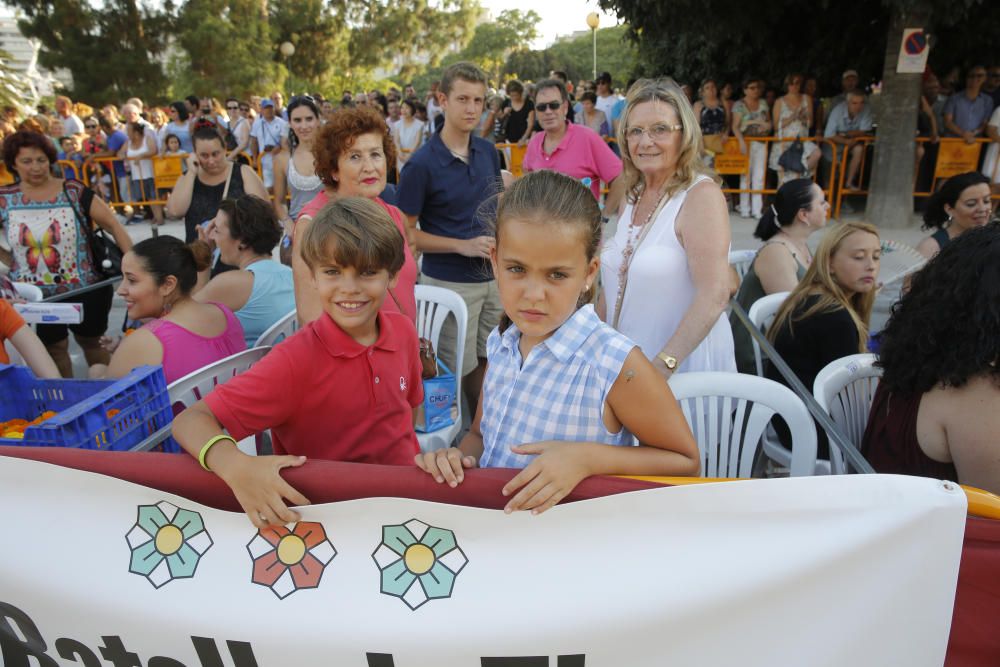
[{"x": 443, "y": 186}]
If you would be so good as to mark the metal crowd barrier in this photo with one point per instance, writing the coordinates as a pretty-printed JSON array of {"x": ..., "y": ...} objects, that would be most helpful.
[{"x": 954, "y": 156}]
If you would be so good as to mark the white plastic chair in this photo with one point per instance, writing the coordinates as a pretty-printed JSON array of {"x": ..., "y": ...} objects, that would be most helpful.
[
  {"x": 762, "y": 314},
  {"x": 728, "y": 412},
  {"x": 845, "y": 389},
  {"x": 193, "y": 387},
  {"x": 278, "y": 331},
  {"x": 29, "y": 292},
  {"x": 434, "y": 304},
  {"x": 741, "y": 261}
]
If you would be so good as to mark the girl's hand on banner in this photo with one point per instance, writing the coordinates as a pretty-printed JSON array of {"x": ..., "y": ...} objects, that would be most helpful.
[
  {"x": 555, "y": 472},
  {"x": 446, "y": 465}
]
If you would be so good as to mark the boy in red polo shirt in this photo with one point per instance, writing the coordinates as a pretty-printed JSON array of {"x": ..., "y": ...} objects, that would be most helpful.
[{"x": 343, "y": 388}]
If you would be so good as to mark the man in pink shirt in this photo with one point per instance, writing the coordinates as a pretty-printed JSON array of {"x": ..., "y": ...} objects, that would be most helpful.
[{"x": 574, "y": 150}]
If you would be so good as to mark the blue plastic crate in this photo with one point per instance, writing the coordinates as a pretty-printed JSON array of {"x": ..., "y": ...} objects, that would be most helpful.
[{"x": 82, "y": 408}]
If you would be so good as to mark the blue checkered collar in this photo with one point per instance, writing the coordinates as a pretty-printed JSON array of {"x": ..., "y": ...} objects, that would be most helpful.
[{"x": 566, "y": 341}]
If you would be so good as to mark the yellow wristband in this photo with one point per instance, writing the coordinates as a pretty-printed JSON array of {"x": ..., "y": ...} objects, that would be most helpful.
[{"x": 208, "y": 445}]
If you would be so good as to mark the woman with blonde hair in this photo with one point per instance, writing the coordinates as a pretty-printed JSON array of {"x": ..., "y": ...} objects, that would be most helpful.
[
  {"x": 826, "y": 316},
  {"x": 666, "y": 270}
]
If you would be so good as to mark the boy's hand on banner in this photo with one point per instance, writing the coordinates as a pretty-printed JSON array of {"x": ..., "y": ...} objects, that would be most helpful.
[{"x": 257, "y": 483}]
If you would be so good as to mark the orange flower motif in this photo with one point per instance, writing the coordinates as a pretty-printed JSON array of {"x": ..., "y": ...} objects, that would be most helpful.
[{"x": 287, "y": 560}]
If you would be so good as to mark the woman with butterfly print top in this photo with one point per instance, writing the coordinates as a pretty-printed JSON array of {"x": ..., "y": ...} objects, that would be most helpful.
[{"x": 42, "y": 218}]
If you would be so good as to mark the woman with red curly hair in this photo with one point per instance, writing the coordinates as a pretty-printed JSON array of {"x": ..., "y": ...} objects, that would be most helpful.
[{"x": 354, "y": 151}]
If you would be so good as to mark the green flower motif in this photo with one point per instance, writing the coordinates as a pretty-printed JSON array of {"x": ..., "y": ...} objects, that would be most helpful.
[
  {"x": 418, "y": 562},
  {"x": 166, "y": 543}
]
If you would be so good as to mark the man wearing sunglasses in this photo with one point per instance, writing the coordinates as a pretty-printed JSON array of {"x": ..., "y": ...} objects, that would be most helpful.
[{"x": 574, "y": 150}]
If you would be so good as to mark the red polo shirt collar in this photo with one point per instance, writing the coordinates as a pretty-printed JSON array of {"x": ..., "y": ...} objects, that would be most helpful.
[{"x": 339, "y": 344}]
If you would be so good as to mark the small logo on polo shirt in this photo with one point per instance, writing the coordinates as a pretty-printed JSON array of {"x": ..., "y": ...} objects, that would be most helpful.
[{"x": 402, "y": 383}]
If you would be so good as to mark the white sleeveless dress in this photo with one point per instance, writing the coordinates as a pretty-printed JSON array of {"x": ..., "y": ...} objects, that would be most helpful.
[{"x": 660, "y": 291}]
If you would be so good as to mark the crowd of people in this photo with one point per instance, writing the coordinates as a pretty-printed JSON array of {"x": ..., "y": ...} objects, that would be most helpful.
[{"x": 572, "y": 334}]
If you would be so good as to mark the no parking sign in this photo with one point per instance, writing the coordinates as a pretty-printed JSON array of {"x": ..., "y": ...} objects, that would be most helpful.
[{"x": 913, "y": 52}]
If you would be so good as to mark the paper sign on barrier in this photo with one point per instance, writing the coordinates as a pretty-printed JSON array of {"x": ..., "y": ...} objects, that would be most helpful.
[
  {"x": 731, "y": 160},
  {"x": 955, "y": 156}
]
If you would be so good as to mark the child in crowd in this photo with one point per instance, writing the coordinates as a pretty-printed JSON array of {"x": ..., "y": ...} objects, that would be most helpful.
[
  {"x": 342, "y": 388},
  {"x": 71, "y": 153},
  {"x": 564, "y": 392}
]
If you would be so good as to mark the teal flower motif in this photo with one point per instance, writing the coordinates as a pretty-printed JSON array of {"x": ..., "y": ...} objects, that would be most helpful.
[
  {"x": 418, "y": 562},
  {"x": 166, "y": 543}
]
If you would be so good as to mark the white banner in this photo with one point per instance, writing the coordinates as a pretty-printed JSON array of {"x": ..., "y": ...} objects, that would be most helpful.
[{"x": 851, "y": 570}]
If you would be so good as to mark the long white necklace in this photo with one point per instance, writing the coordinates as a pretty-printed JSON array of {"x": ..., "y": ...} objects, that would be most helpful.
[{"x": 632, "y": 244}]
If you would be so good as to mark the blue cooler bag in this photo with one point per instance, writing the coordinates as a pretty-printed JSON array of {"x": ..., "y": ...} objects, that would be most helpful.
[{"x": 439, "y": 394}]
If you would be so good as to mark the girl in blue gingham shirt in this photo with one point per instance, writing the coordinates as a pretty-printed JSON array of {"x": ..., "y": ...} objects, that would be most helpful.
[{"x": 565, "y": 395}]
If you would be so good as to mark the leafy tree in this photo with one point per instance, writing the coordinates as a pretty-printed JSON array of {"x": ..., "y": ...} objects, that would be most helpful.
[
  {"x": 321, "y": 39},
  {"x": 15, "y": 89},
  {"x": 493, "y": 41},
  {"x": 113, "y": 51},
  {"x": 229, "y": 48}
]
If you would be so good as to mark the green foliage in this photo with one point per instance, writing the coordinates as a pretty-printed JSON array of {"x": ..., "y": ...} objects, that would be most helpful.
[
  {"x": 14, "y": 88},
  {"x": 229, "y": 48},
  {"x": 615, "y": 54},
  {"x": 321, "y": 41},
  {"x": 493, "y": 41},
  {"x": 691, "y": 39},
  {"x": 113, "y": 51}
]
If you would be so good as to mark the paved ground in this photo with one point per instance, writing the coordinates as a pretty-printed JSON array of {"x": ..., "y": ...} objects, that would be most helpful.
[{"x": 742, "y": 239}]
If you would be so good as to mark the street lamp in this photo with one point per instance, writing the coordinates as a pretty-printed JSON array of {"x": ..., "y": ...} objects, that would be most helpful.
[
  {"x": 594, "y": 20},
  {"x": 287, "y": 49}
]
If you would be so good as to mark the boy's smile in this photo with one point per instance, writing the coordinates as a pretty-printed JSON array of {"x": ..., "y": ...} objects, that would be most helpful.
[{"x": 352, "y": 298}]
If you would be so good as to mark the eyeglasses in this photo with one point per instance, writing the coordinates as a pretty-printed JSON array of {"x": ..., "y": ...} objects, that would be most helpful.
[
  {"x": 91, "y": 127},
  {"x": 548, "y": 106},
  {"x": 233, "y": 107},
  {"x": 656, "y": 132},
  {"x": 244, "y": 108}
]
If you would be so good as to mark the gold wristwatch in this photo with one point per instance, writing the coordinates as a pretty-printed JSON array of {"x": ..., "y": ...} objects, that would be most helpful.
[{"x": 668, "y": 361}]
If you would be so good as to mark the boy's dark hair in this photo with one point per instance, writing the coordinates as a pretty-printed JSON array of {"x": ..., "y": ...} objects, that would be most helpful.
[
  {"x": 355, "y": 232},
  {"x": 466, "y": 72},
  {"x": 252, "y": 222}
]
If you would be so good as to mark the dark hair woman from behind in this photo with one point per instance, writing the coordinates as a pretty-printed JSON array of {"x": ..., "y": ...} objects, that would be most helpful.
[
  {"x": 962, "y": 203},
  {"x": 937, "y": 408},
  {"x": 46, "y": 222},
  {"x": 184, "y": 335},
  {"x": 799, "y": 209}
]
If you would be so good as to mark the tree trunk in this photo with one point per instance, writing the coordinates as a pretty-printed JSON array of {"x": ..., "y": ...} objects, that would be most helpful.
[{"x": 890, "y": 199}]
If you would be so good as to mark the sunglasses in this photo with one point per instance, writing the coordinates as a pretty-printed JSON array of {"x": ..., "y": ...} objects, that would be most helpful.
[
  {"x": 244, "y": 108},
  {"x": 548, "y": 106},
  {"x": 233, "y": 108},
  {"x": 91, "y": 127}
]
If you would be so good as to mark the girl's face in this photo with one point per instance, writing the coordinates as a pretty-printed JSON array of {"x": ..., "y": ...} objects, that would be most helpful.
[
  {"x": 752, "y": 91},
  {"x": 854, "y": 265},
  {"x": 406, "y": 111},
  {"x": 588, "y": 106},
  {"x": 972, "y": 209},
  {"x": 173, "y": 144},
  {"x": 361, "y": 168},
  {"x": 727, "y": 91},
  {"x": 541, "y": 269},
  {"x": 229, "y": 248},
  {"x": 304, "y": 122},
  {"x": 709, "y": 90},
  {"x": 816, "y": 215},
  {"x": 143, "y": 297}
]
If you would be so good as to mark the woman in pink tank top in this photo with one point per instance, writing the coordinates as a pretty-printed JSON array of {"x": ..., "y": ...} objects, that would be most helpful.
[{"x": 185, "y": 335}]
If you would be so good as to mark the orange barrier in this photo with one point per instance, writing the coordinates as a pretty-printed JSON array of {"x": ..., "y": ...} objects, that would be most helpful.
[
  {"x": 732, "y": 162},
  {"x": 955, "y": 156},
  {"x": 71, "y": 166},
  {"x": 515, "y": 157}
]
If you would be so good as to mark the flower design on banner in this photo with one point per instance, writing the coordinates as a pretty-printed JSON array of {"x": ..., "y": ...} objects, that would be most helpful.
[
  {"x": 167, "y": 543},
  {"x": 287, "y": 560},
  {"x": 418, "y": 562}
]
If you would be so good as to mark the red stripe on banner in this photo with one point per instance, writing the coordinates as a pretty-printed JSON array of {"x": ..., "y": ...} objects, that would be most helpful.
[
  {"x": 974, "y": 641},
  {"x": 319, "y": 481}
]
